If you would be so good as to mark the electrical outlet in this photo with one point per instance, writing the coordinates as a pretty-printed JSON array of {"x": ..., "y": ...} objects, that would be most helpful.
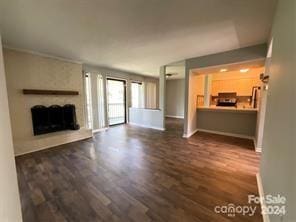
[{"x": 265, "y": 87}]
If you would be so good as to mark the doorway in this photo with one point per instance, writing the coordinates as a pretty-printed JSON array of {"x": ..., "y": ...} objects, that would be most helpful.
[{"x": 116, "y": 97}]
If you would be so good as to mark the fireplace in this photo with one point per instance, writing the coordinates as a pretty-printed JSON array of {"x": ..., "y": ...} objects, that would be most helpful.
[{"x": 54, "y": 118}]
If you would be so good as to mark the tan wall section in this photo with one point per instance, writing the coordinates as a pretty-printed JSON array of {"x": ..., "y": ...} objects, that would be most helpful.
[
  {"x": 241, "y": 124},
  {"x": 24, "y": 70}
]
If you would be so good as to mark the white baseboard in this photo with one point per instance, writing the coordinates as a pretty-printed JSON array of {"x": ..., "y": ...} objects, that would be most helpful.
[
  {"x": 261, "y": 195},
  {"x": 187, "y": 135},
  {"x": 257, "y": 149},
  {"x": 100, "y": 130},
  {"x": 226, "y": 134},
  {"x": 177, "y": 117},
  {"x": 147, "y": 126}
]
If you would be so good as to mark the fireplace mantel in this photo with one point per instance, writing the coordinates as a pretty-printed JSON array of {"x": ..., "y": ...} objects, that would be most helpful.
[{"x": 49, "y": 92}]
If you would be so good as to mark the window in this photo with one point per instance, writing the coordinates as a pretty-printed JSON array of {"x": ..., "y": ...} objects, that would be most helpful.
[
  {"x": 89, "y": 116},
  {"x": 137, "y": 94}
]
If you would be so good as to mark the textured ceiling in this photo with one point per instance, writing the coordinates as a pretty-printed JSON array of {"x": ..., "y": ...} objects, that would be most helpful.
[{"x": 134, "y": 35}]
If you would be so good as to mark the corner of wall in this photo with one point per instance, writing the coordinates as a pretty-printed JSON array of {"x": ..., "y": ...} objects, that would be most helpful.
[{"x": 10, "y": 208}]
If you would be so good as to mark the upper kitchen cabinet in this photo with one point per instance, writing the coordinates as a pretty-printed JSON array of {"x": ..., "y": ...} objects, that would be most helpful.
[{"x": 236, "y": 81}]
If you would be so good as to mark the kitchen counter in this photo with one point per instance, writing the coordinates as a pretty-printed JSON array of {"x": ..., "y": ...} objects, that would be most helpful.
[{"x": 227, "y": 108}]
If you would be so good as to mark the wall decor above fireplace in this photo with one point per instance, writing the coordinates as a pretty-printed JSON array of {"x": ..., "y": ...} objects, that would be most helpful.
[{"x": 54, "y": 118}]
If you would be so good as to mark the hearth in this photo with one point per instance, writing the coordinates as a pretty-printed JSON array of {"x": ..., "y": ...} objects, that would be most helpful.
[{"x": 53, "y": 118}]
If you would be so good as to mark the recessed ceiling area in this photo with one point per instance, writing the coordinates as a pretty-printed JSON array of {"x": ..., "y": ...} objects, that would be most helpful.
[
  {"x": 136, "y": 36},
  {"x": 243, "y": 67}
]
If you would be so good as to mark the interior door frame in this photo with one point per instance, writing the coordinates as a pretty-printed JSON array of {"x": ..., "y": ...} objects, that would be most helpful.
[{"x": 125, "y": 98}]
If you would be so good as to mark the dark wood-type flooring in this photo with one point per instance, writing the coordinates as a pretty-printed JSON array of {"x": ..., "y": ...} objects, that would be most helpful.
[{"x": 130, "y": 173}]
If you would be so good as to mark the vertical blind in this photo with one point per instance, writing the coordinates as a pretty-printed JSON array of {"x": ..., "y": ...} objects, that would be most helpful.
[
  {"x": 95, "y": 103},
  {"x": 150, "y": 95},
  {"x": 138, "y": 99},
  {"x": 88, "y": 103},
  {"x": 101, "y": 101}
]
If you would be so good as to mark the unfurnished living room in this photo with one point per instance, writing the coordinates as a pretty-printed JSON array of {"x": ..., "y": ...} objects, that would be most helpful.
[{"x": 147, "y": 110}]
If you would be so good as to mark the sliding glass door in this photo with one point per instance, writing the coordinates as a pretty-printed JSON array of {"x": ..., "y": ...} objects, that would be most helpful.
[{"x": 116, "y": 96}]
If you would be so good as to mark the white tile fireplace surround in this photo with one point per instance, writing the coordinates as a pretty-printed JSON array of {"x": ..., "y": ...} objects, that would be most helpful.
[
  {"x": 29, "y": 71},
  {"x": 50, "y": 140}
]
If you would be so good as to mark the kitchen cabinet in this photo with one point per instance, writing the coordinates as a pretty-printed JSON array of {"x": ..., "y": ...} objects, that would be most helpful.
[{"x": 243, "y": 87}]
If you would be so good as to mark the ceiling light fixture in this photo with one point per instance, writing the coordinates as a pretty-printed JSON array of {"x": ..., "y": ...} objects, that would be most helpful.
[
  {"x": 171, "y": 74},
  {"x": 244, "y": 70},
  {"x": 223, "y": 70}
]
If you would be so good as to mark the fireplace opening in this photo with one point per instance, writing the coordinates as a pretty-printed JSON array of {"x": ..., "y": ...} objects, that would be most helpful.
[{"x": 54, "y": 118}]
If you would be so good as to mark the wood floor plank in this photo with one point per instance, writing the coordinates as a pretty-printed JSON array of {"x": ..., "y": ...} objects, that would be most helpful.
[{"x": 129, "y": 173}]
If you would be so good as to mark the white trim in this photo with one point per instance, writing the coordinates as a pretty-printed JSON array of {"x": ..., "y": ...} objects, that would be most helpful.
[
  {"x": 108, "y": 76},
  {"x": 145, "y": 109},
  {"x": 147, "y": 126},
  {"x": 177, "y": 117},
  {"x": 187, "y": 135},
  {"x": 226, "y": 134},
  {"x": 42, "y": 54},
  {"x": 261, "y": 195},
  {"x": 257, "y": 149},
  {"x": 175, "y": 78},
  {"x": 100, "y": 130}
]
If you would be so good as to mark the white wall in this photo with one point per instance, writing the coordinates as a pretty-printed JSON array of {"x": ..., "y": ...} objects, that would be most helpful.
[
  {"x": 10, "y": 209},
  {"x": 31, "y": 71},
  {"x": 175, "y": 97},
  {"x": 148, "y": 118},
  {"x": 278, "y": 155}
]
